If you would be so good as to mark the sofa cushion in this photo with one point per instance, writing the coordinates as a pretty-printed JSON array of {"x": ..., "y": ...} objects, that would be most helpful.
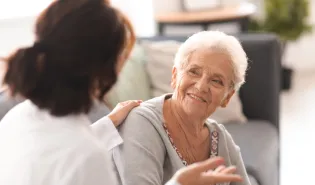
[
  {"x": 133, "y": 82},
  {"x": 159, "y": 56},
  {"x": 259, "y": 143},
  {"x": 159, "y": 62}
]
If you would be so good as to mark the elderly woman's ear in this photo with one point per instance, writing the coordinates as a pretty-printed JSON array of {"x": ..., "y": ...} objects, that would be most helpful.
[
  {"x": 174, "y": 76},
  {"x": 227, "y": 99}
]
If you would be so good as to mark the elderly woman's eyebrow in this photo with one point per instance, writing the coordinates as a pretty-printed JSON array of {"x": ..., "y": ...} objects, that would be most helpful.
[
  {"x": 195, "y": 66},
  {"x": 219, "y": 76}
]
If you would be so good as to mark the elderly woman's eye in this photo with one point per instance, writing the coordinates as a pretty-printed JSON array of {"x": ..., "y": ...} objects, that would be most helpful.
[
  {"x": 193, "y": 72},
  {"x": 218, "y": 82}
]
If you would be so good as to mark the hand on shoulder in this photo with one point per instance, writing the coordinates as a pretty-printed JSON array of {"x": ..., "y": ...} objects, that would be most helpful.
[{"x": 121, "y": 111}]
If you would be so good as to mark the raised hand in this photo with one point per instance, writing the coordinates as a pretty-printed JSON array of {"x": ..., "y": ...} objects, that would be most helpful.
[{"x": 209, "y": 172}]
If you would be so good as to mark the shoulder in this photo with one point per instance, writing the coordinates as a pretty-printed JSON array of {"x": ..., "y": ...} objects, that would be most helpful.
[
  {"x": 149, "y": 108},
  {"x": 144, "y": 124},
  {"x": 148, "y": 115},
  {"x": 223, "y": 132},
  {"x": 141, "y": 121},
  {"x": 214, "y": 125}
]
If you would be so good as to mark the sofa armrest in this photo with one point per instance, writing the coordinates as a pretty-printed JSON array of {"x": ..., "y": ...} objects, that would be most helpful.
[
  {"x": 261, "y": 93},
  {"x": 259, "y": 143}
]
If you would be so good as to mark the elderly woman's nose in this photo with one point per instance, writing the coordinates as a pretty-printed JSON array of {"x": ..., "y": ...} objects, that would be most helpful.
[{"x": 202, "y": 85}]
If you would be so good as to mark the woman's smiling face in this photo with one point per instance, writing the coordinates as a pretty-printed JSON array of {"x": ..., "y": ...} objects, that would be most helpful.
[{"x": 204, "y": 83}]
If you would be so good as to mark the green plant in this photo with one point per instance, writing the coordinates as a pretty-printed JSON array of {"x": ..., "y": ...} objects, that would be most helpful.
[{"x": 286, "y": 18}]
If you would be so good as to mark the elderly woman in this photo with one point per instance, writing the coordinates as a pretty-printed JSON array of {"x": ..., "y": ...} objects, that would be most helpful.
[{"x": 169, "y": 132}]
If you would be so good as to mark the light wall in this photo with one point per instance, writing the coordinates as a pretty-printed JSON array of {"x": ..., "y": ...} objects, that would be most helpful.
[
  {"x": 15, "y": 33},
  {"x": 140, "y": 13},
  {"x": 300, "y": 55},
  {"x": 18, "y": 31},
  {"x": 16, "y": 27}
]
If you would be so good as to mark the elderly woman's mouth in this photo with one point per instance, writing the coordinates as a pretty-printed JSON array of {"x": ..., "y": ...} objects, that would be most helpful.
[{"x": 195, "y": 97}]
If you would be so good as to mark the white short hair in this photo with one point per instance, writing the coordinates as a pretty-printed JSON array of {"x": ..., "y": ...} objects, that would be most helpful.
[{"x": 215, "y": 41}]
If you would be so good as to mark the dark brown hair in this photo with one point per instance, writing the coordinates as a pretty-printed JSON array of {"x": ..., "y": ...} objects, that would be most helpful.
[{"x": 73, "y": 61}]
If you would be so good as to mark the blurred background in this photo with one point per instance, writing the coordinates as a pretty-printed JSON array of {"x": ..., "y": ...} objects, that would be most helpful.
[{"x": 280, "y": 40}]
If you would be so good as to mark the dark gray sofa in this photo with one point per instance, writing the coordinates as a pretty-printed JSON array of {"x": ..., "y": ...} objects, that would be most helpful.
[{"x": 258, "y": 139}]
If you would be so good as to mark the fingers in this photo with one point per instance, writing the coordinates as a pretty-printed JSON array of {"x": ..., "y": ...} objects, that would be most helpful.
[
  {"x": 131, "y": 103},
  {"x": 221, "y": 178},
  {"x": 211, "y": 171},
  {"x": 225, "y": 170},
  {"x": 208, "y": 164},
  {"x": 229, "y": 170},
  {"x": 219, "y": 169},
  {"x": 122, "y": 110}
]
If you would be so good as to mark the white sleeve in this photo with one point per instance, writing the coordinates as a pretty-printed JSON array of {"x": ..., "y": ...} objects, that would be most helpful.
[
  {"x": 106, "y": 131},
  {"x": 95, "y": 169}
]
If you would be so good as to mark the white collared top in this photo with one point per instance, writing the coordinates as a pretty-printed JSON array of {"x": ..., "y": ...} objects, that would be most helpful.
[{"x": 37, "y": 148}]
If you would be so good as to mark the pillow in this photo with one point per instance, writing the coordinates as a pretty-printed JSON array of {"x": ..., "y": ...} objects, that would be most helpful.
[
  {"x": 159, "y": 56},
  {"x": 133, "y": 82},
  {"x": 233, "y": 112},
  {"x": 159, "y": 63}
]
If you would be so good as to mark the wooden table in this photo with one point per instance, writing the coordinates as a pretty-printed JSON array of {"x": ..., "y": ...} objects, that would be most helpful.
[{"x": 239, "y": 14}]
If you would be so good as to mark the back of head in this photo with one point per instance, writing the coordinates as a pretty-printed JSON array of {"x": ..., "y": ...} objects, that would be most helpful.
[{"x": 74, "y": 58}]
